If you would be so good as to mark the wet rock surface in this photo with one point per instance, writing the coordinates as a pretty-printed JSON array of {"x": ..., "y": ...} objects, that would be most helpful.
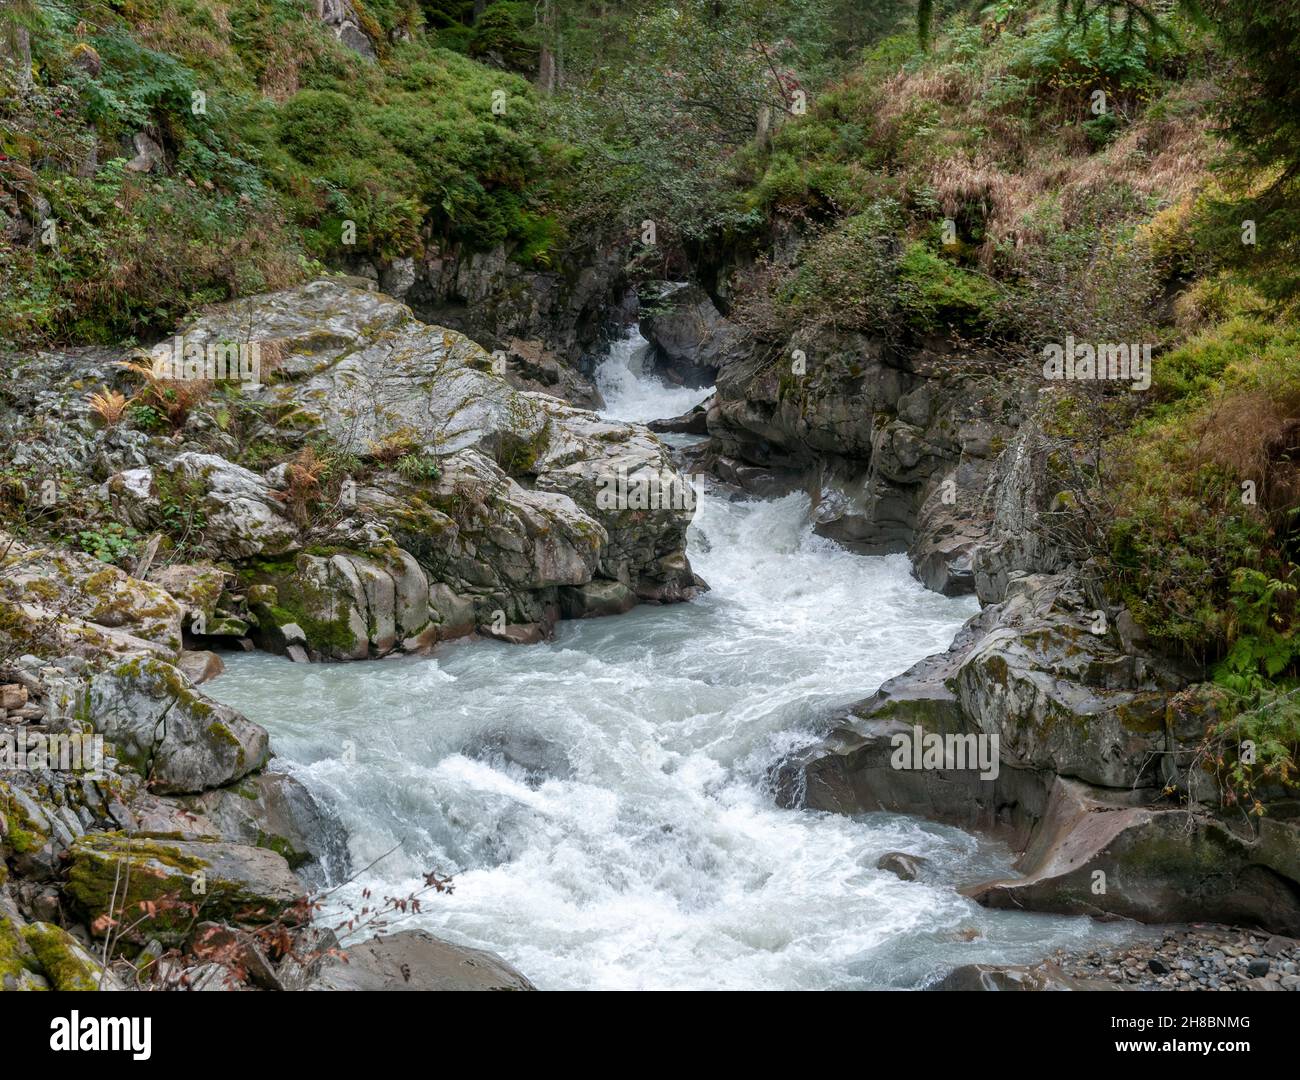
[
  {"x": 512, "y": 512},
  {"x": 416, "y": 960},
  {"x": 690, "y": 337}
]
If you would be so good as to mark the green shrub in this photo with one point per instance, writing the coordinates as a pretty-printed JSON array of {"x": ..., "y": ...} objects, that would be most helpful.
[
  {"x": 505, "y": 32},
  {"x": 1255, "y": 745},
  {"x": 418, "y": 467},
  {"x": 296, "y": 136},
  {"x": 848, "y": 275},
  {"x": 938, "y": 295},
  {"x": 316, "y": 124},
  {"x": 1201, "y": 494},
  {"x": 1198, "y": 366},
  {"x": 110, "y": 542}
]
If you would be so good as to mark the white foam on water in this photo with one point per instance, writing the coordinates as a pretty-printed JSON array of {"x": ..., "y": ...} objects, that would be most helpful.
[
  {"x": 603, "y": 801},
  {"x": 632, "y": 391}
]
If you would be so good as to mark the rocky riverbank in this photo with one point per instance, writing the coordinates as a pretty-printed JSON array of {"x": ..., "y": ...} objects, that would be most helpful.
[
  {"x": 378, "y": 486},
  {"x": 1106, "y": 784},
  {"x": 1203, "y": 958},
  {"x": 386, "y": 485}
]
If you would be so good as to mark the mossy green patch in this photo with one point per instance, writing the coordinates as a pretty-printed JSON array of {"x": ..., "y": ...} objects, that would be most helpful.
[
  {"x": 62, "y": 960},
  {"x": 14, "y": 958}
]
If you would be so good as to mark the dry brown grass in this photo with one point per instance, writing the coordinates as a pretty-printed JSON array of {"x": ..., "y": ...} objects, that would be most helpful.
[
  {"x": 304, "y": 475},
  {"x": 273, "y": 352},
  {"x": 176, "y": 398},
  {"x": 108, "y": 405},
  {"x": 948, "y": 85},
  {"x": 285, "y": 57},
  {"x": 1018, "y": 165},
  {"x": 1256, "y": 436},
  {"x": 279, "y": 80},
  {"x": 171, "y": 32},
  {"x": 394, "y": 445}
]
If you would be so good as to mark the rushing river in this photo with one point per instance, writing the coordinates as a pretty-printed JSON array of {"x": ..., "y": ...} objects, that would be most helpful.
[{"x": 601, "y": 799}]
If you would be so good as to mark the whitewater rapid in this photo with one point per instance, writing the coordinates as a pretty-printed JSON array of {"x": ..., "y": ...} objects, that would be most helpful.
[{"x": 602, "y": 801}]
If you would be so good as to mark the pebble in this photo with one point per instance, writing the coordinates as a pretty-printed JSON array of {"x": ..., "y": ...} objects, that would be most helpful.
[{"x": 1222, "y": 958}]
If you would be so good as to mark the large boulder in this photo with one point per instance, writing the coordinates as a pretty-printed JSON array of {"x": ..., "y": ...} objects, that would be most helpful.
[
  {"x": 768, "y": 415},
  {"x": 273, "y": 810},
  {"x": 64, "y": 603},
  {"x": 691, "y": 338},
  {"x": 342, "y": 18},
  {"x": 416, "y": 960},
  {"x": 493, "y": 298},
  {"x": 159, "y": 887},
  {"x": 531, "y": 366},
  {"x": 853, "y": 770},
  {"x": 1029, "y": 675},
  {"x": 1060, "y": 693},
  {"x": 514, "y": 509},
  {"x": 494, "y": 534},
  {"x": 197, "y": 588},
  {"x": 909, "y": 445},
  {"x": 1085, "y": 736},
  {"x": 180, "y": 741},
  {"x": 235, "y": 509},
  {"x": 1104, "y": 852},
  {"x": 345, "y": 605},
  {"x": 1017, "y": 495}
]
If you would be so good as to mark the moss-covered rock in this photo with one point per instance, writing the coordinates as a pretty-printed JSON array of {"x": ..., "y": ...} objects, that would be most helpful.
[
  {"x": 509, "y": 502},
  {"x": 19, "y": 968},
  {"x": 63, "y": 959},
  {"x": 60, "y": 603},
  {"x": 197, "y": 588},
  {"x": 169, "y": 732},
  {"x": 233, "y": 510},
  {"x": 180, "y": 882},
  {"x": 348, "y": 605},
  {"x": 1102, "y": 852},
  {"x": 1051, "y": 681},
  {"x": 273, "y": 810}
]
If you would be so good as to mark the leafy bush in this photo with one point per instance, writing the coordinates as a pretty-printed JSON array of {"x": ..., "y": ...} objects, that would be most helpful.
[
  {"x": 418, "y": 467},
  {"x": 1265, "y": 643},
  {"x": 1086, "y": 56},
  {"x": 1256, "y": 746},
  {"x": 938, "y": 295},
  {"x": 110, "y": 542},
  {"x": 1203, "y": 534},
  {"x": 272, "y": 135},
  {"x": 316, "y": 124},
  {"x": 1087, "y": 272},
  {"x": 504, "y": 33},
  {"x": 847, "y": 276}
]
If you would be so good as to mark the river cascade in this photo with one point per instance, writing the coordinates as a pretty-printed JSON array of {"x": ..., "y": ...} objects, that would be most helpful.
[{"x": 601, "y": 800}]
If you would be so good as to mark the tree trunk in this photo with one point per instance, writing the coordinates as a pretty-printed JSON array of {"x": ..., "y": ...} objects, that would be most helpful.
[
  {"x": 22, "y": 57},
  {"x": 546, "y": 67}
]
